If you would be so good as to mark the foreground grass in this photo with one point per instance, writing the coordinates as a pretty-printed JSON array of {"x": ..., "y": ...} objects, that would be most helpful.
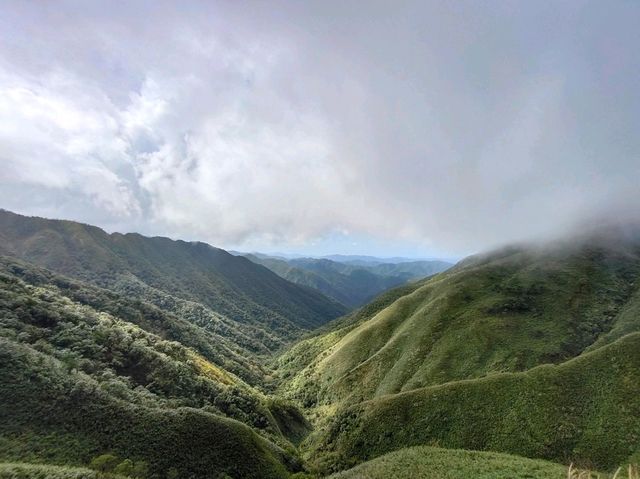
[
  {"x": 425, "y": 462},
  {"x": 435, "y": 463},
  {"x": 44, "y": 471}
]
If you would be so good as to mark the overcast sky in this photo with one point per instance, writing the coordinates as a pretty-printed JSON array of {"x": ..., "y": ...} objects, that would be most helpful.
[{"x": 417, "y": 128}]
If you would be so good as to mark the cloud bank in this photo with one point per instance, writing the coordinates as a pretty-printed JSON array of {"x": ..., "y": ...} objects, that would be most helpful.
[{"x": 455, "y": 125}]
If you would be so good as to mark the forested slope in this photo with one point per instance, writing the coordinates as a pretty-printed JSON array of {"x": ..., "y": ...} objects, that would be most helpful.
[
  {"x": 80, "y": 379},
  {"x": 225, "y": 294}
]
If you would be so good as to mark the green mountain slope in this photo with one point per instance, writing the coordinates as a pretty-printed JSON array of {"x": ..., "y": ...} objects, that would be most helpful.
[
  {"x": 435, "y": 463},
  {"x": 585, "y": 410},
  {"x": 49, "y": 412},
  {"x": 159, "y": 352},
  {"x": 214, "y": 346},
  {"x": 207, "y": 285},
  {"x": 78, "y": 380},
  {"x": 507, "y": 311},
  {"x": 350, "y": 284}
]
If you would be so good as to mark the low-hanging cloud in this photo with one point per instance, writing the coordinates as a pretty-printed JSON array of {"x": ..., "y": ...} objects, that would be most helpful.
[{"x": 458, "y": 125}]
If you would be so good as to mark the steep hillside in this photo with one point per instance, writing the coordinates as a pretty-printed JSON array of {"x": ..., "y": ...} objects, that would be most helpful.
[
  {"x": 234, "y": 356},
  {"x": 48, "y": 411},
  {"x": 586, "y": 410},
  {"x": 507, "y": 311},
  {"x": 79, "y": 380},
  {"x": 207, "y": 285},
  {"x": 350, "y": 284}
]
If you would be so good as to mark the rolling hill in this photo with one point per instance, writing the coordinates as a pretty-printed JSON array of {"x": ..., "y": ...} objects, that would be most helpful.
[
  {"x": 425, "y": 462},
  {"x": 586, "y": 410}
]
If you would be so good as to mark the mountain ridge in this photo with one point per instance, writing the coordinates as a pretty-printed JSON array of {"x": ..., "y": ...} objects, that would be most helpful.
[{"x": 231, "y": 287}]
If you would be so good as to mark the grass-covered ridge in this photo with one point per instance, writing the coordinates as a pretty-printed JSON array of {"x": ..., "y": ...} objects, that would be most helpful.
[
  {"x": 509, "y": 311},
  {"x": 586, "y": 411}
]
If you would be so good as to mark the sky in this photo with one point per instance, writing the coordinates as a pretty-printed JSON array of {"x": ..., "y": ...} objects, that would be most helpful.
[{"x": 405, "y": 128}]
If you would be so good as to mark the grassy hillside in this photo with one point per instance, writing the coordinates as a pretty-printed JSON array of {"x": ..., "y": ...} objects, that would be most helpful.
[
  {"x": 190, "y": 279},
  {"x": 586, "y": 410},
  {"x": 508, "y": 311},
  {"x": 434, "y": 463},
  {"x": 294, "y": 365},
  {"x": 350, "y": 284},
  {"x": 154, "y": 356}
]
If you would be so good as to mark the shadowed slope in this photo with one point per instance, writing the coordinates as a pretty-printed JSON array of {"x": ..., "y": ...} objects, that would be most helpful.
[
  {"x": 66, "y": 417},
  {"x": 191, "y": 279}
]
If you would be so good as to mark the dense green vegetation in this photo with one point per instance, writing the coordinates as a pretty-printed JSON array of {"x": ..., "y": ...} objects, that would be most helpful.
[
  {"x": 43, "y": 471},
  {"x": 352, "y": 284},
  {"x": 205, "y": 285},
  {"x": 508, "y": 311},
  {"x": 61, "y": 416},
  {"x": 124, "y": 356},
  {"x": 79, "y": 381},
  {"x": 435, "y": 463},
  {"x": 217, "y": 347},
  {"x": 586, "y": 410}
]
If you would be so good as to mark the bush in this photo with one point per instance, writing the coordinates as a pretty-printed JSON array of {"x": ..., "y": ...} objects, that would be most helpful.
[{"x": 104, "y": 463}]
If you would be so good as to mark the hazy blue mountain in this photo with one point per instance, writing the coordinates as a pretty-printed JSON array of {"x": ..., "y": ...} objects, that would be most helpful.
[
  {"x": 350, "y": 283},
  {"x": 371, "y": 260}
]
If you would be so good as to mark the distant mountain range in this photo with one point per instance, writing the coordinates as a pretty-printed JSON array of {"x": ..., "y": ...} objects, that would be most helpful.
[
  {"x": 350, "y": 280},
  {"x": 374, "y": 260},
  {"x": 343, "y": 258}
]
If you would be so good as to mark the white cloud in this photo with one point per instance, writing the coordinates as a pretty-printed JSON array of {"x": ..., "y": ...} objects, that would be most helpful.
[
  {"x": 456, "y": 127},
  {"x": 55, "y": 135}
]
